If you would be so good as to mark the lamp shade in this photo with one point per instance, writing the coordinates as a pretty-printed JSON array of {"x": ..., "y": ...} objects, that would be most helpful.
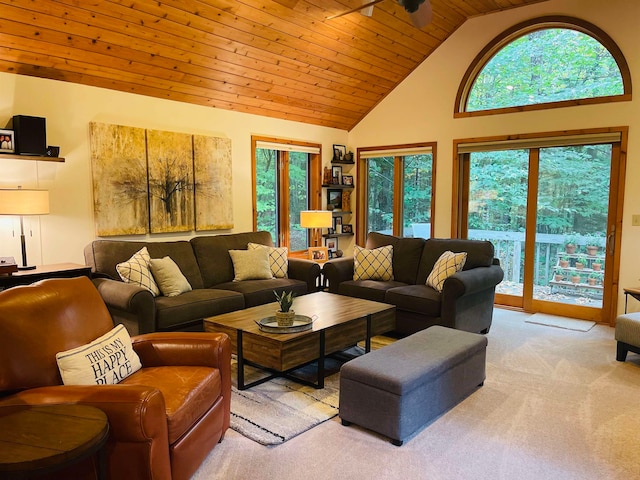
[
  {"x": 23, "y": 201},
  {"x": 316, "y": 219}
]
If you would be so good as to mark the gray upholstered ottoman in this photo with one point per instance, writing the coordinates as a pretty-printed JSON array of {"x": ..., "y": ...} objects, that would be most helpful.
[{"x": 400, "y": 388}]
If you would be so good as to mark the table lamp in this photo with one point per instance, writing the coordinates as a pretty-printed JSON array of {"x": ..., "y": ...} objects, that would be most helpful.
[
  {"x": 316, "y": 220},
  {"x": 24, "y": 201}
]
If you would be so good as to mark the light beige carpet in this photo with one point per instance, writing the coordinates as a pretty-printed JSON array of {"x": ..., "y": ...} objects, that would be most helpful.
[{"x": 555, "y": 405}]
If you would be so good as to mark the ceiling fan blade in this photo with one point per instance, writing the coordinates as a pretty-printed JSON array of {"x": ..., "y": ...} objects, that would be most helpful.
[{"x": 357, "y": 9}]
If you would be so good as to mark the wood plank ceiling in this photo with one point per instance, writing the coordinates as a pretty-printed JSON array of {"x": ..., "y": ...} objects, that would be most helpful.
[{"x": 254, "y": 56}]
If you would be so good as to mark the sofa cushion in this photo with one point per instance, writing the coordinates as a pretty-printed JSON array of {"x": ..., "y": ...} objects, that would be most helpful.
[
  {"x": 406, "y": 254},
  {"x": 420, "y": 299},
  {"x": 168, "y": 276},
  {"x": 196, "y": 304},
  {"x": 376, "y": 264},
  {"x": 250, "y": 265},
  {"x": 480, "y": 253},
  {"x": 448, "y": 264},
  {"x": 212, "y": 253},
  {"x": 367, "y": 289},
  {"x": 105, "y": 361},
  {"x": 278, "y": 259},
  {"x": 259, "y": 292},
  {"x": 136, "y": 271}
]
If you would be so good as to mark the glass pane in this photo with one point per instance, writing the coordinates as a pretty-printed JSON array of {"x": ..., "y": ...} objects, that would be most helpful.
[
  {"x": 497, "y": 209},
  {"x": 573, "y": 196},
  {"x": 544, "y": 66},
  {"x": 298, "y": 199},
  {"x": 267, "y": 191},
  {"x": 380, "y": 195},
  {"x": 416, "y": 212}
]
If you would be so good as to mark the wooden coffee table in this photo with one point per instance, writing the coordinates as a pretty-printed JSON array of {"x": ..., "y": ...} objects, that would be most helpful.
[{"x": 340, "y": 322}]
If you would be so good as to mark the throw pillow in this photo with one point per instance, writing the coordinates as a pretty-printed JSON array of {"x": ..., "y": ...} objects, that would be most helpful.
[
  {"x": 278, "y": 259},
  {"x": 376, "y": 264},
  {"x": 168, "y": 276},
  {"x": 250, "y": 264},
  {"x": 105, "y": 361},
  {"x": 448, "y": 264},
  {"x": 136, "y": 271}
]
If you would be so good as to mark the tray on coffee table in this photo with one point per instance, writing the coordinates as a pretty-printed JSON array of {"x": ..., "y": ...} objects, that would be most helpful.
[{"x": 300, "y": 324}]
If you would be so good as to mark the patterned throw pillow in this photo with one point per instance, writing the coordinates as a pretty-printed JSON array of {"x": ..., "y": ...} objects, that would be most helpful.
[
  {"x": 448, "y": 264},
  {"x": 136, "y": 271},
  {"x": 374, "y": 264},
  {"x": 278, "y": 259},
  {"x": 169, "y": 277},
  {"x": 105, "y": 361},
  {"x": 250, "y": 264}
]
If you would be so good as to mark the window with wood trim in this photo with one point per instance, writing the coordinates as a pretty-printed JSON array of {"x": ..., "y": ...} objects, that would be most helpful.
[
  {"x": 544, "y": 63},
  {"x": 395, "y": 189},
  {"x": 286, "y": 180}
]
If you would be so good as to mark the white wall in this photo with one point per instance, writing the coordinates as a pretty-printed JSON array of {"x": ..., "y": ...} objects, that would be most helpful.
[
  {"x": 421, "y": 108},
  {"x": 68, "y": 109}
]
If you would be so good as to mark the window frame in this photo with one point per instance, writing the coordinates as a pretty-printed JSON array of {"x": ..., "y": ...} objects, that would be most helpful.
[
  {"x": 524, "y": 28},
  {"x": 314, "y": 184}
]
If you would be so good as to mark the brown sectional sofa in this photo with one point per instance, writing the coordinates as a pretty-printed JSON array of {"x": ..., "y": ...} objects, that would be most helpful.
[
  {"x": 206, "y": 264},
  {"x": 466, "y": 301}
]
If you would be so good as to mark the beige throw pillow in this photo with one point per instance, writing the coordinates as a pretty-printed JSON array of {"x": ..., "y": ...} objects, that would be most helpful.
[
  {"x": 105, "y": 361},
  {"x": 376, "y": 264},
  {"x": 278, "y": 259},
  {"x": 448, "y": 264},
  {"x": 251, "y": 264},
  {"x": 168, "y": 276},
  {"x": 136, "y": 271}
]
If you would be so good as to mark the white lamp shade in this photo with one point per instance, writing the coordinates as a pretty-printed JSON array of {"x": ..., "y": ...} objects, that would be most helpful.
[
  {"x": 23, "y": 201},
  {"x": 316, "y": 219}
]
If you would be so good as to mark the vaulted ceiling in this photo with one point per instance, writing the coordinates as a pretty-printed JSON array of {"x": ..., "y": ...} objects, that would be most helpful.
[{"x": 277, "y": 58}]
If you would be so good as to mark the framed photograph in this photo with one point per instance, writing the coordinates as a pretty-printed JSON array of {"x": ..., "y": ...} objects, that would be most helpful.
[
  {"x": 336, "y": 173},
  {"x": 347, "y": 179},
  {"x": 347, "y": 228},
  {"x": 332, "y": 245},
  {"x": 334, "y": 199},
  {"x": 7, "y": 144},
  {"x": 337, "y": 224},
  {"x": 319, "y": 254},
  {"x": 339, "y": 151}
]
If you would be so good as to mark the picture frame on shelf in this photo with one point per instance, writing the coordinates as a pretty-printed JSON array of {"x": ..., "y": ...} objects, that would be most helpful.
[
  {"x": 339, "y": 151},
  {"x": 337, "y": 224},
  {"x": 347, "y": 180},
  {"x": 336, "y": 174},
  {"x": 347, "y": 228},
  {"x": 332, "y": 246},
  {"x": 334, "y": 199},
  {"x": 7, "y": 142},
  {"x": 319, "y": 254}
]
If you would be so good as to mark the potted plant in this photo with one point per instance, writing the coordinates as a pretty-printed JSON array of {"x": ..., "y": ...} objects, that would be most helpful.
[
  {"x": 558, "y": 274},
  {"x": 570, "y": 243},
  {"x": 285, "y": 315},
  {"x": 593, "y": 278},
  {"x": 564, "y": 262},
  {"x": 581, "y": 262},
  {"x": 575, "y": 278},
  {"x": 594, "y": 242},
  {"x": 597, "y": 265}
]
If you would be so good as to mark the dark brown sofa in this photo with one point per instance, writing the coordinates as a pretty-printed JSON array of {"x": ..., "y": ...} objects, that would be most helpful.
[
  {"x": 466, "y": 301},
  {"x": 207, "y": 265}
]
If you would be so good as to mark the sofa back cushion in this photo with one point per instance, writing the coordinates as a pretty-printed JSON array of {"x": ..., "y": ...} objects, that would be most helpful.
[
  {"x": 406, "y": 254},
  {"x": 212, "y": 254},
  {"x": 480, "y": 253},
  {"x": 104, "y": 255}
]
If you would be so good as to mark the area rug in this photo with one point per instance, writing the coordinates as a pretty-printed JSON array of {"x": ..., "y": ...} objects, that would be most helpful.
[{"x": 561, "y": 322}]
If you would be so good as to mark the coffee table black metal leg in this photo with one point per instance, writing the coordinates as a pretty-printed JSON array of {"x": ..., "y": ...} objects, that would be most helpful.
[
  {"x": 240, "y": 360},
  {"x": 321, "y": 361},
  {"x": 367, "y": 343}
]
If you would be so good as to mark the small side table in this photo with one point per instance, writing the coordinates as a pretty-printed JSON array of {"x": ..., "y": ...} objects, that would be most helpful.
[
  {"x": 634, "y": 292},
  {"x": 56, "y": 270},
  {"x": 35, "y": 440}
]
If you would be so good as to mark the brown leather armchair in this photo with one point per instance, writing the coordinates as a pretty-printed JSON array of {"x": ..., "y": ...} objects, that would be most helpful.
[{"x": 164, "y": 419}]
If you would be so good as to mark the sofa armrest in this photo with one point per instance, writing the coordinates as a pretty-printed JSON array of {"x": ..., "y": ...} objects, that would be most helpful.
[
  {"x": 131, "y": 300},
  {"x": 306, "y": 270},
  {"x": 471, "y": 281},
  {"x": 336, "y": 271}
]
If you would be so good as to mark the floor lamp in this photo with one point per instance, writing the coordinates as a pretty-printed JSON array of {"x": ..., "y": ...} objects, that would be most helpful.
[
  {"x": 316, "y": 220},
  {"x": 23, "y": 201}
]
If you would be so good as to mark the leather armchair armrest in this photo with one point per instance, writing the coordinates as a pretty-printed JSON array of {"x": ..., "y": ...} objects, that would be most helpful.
[
  {"x": 183, "y": 348},
  {"x": 338, "y": 270},
  {"x": 135, "y": 413},
  {"x": 130, "y": 299},
  {"x": 305, "y": 270}
]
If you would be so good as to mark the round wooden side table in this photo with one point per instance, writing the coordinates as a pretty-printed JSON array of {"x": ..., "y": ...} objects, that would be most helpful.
[{"x": 41, "y": 439}]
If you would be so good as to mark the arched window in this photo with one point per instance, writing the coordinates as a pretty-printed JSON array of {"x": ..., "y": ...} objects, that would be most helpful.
[{"x": 544, "y": 63}]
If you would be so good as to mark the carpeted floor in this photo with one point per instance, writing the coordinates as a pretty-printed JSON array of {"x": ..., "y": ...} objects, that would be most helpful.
[{"x": 555, "y": 405}]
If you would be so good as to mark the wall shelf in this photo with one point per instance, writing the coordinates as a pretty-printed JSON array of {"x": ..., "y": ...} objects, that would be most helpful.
[{"x": 10, "y": 156}]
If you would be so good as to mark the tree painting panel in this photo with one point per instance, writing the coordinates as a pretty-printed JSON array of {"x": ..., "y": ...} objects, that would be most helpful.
[
  {"x": 118, "y": 161},
  {"x": 212, "y": 175},
  {"x": 170, "y": 157}
]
